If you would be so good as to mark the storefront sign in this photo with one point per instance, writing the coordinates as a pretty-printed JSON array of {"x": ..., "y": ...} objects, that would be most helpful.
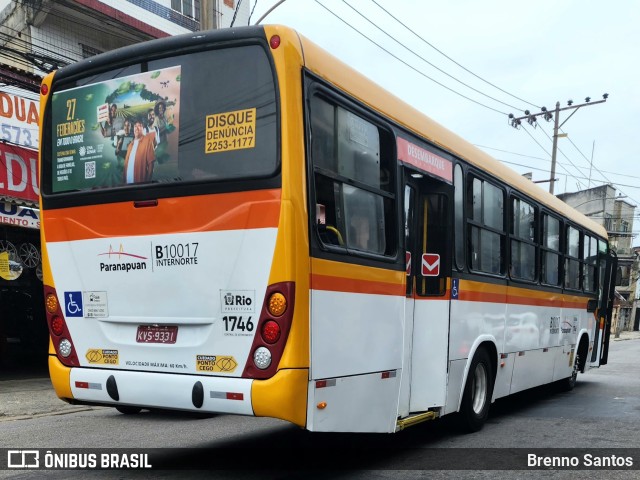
[
  {"x": 18, "y": 172},
  {"x": 11, "y": 214},
  {"x": 19, "y": 120}
]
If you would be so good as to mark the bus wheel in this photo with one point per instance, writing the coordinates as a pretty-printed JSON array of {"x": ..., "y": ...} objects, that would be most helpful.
[
  {"x": 127, "y": 410},
  {"x": 567, "y": 384},
  {"x": 476, "y": 399}
]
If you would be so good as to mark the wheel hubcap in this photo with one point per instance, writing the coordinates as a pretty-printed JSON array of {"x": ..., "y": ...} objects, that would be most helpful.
[{"x": 479, "y": 388}]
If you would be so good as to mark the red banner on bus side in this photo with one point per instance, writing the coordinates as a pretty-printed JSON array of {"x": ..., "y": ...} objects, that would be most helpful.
[
  {"x": 424, "y": 160},
  {"x": 19, "y": 172}
]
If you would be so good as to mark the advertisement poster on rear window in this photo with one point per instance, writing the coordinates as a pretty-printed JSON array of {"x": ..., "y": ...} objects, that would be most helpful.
[{"x": 117, "y": 132}]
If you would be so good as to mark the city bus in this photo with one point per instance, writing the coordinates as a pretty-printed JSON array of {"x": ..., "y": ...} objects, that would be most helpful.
[{"x": 236, "y": 222}]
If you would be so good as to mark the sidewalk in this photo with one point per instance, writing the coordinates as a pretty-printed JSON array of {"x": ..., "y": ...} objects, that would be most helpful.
[
  {"x": 27, "y": 392},
  {"x": 626, "y": 336},
  {"x": 32, "y": 397},
  {"x": 31, "y": 394}
]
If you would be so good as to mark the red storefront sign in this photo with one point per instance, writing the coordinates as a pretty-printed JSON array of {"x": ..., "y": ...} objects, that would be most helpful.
[{"x": 19, "y": 172}]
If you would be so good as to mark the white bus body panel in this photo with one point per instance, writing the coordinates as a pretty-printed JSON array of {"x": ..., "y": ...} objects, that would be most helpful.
[
  {"x": 354, "y": 333},
  {"x": 538, "y": 344},
  {"x": 361, "y": 403},
  {"x": 469, "y": 320},
  {"x": 355, "y": 338},
  {"x": 189, "y": 296}
]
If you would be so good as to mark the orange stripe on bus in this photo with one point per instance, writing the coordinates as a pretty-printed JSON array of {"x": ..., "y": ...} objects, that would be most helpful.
[
  {"x": 332, "y": 268},
  {"x": 198, "y": 213},
  {"x": 351, "y": 285},
  {"x": 485, "y": 293}
]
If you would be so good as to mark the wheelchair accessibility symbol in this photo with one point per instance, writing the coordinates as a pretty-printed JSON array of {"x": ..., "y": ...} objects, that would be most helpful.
[
  {"x": 455, "y": 288},
  {"x": 73, "y": 304}
]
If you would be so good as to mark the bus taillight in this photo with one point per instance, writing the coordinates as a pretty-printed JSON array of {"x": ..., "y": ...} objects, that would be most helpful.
[
  {"x": 58, "y": 330},
  {"x": 57, "y": 325},
  {"x": 273, "y": 330},
  {"x": 270, "y": 331}
]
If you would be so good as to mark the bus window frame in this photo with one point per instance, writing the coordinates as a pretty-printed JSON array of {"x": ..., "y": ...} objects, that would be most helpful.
[
  {"x": 559, "y": 251},
  {"x": 470, "y": 223},
  {"x": 515, "y": 195},
  {"x": 586, "y": 234},
  {"x": 314, "y": 86},
  {"x": 570, "y": 258},
  {"x": 148, "y": 52}
]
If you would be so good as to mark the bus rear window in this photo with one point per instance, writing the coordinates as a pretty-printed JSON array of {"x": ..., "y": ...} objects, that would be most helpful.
[{"x": 203, "y": 116}]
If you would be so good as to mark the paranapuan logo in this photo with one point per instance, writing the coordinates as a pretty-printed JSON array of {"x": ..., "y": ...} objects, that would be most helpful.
[{"x": 121, "y": 261}]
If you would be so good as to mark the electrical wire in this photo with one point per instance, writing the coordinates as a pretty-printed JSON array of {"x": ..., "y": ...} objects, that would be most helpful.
[
  {"x": 548, "y": 160},
  {"x": 599, "y": 171},
  {"x": 546, "y": 170},
  {"x": 427, "y": 61},
  {"x": 562, "y": 153},
  {"x": 548, "y": 153},
  {"x": 407, "y": 64},
  {"x": 449, "y": 58},
  {"x": 235, "y": 13},
  {"x": 252, "y": 10}
]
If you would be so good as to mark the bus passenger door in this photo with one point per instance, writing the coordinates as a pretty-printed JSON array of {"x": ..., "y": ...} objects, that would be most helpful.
[
  {"x": 608, "y": 265},
  {"x": 428, "y": 225}
]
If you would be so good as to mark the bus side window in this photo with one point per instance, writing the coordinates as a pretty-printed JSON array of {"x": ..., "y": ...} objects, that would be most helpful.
[
  {"x": 485, "y": 220},
  {"x": 323, "y": 151},
  {"x": 522, "y": 229},
  {"x": 550, "y": 245},
  {"x": 364, "y": 213},
  {"x": 572, "y": 270},
  {"x": 354, "y": 201},
  {"x": 329, "y": 221}
]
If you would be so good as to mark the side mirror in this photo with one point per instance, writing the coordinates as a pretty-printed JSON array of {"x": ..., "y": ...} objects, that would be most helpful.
[{"x": 592, "y": 305}]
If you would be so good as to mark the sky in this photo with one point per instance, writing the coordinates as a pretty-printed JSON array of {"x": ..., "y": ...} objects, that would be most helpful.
[{"x": 535, "y": 53}]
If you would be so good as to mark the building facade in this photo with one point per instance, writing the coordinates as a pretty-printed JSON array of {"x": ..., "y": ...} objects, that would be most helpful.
[
  {"x": 605, "y": 206},
  {"x": 40, "y": 35}
]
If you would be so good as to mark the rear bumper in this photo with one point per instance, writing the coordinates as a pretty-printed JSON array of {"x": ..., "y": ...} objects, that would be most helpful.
[
  {"x": 283, "y": 396},
  {"x": 159, "y": 390}
]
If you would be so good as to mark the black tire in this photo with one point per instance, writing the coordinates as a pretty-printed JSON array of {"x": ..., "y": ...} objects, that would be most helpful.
[
  {"x": 476, "y": 399},
  {"x": 567, "y": 384},
  {"x": 128, "y": 410}
]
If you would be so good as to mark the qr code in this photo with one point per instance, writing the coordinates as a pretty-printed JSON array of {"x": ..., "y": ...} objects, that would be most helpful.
[{"x": 90, "y": 170}]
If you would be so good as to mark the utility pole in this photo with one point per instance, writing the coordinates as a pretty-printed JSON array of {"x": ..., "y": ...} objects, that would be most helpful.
[{"x": 547, "y": 115}]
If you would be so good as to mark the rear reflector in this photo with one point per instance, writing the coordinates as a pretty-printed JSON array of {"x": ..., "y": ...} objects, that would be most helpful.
[
  {"x": 226, "y": 395},
  {"x": 326, "y": 383},
  {"x": 89, "y": 385}
]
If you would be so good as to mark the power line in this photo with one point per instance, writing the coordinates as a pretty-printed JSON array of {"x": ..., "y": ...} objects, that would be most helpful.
[
  {"x": 531, "y": 119},
  {"x": 451, "y": 59},
  {"x": 252, "y": 10},
  {"x": 540, "y": 145},
  {"x": 605, "y": 180},
  {"x": 529, "y": 167},
  {"x": 512, "y": 153},
  {"x": 235, "y": 14},
  {"x": 563, "y": 154},
  {"x": 548, "y": 160},
  {"x": 408, "y": 65},
  {"x": 427, "y": 61}
]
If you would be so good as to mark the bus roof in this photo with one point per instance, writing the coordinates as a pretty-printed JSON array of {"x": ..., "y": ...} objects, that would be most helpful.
[{"x": 344, "y": 77}]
